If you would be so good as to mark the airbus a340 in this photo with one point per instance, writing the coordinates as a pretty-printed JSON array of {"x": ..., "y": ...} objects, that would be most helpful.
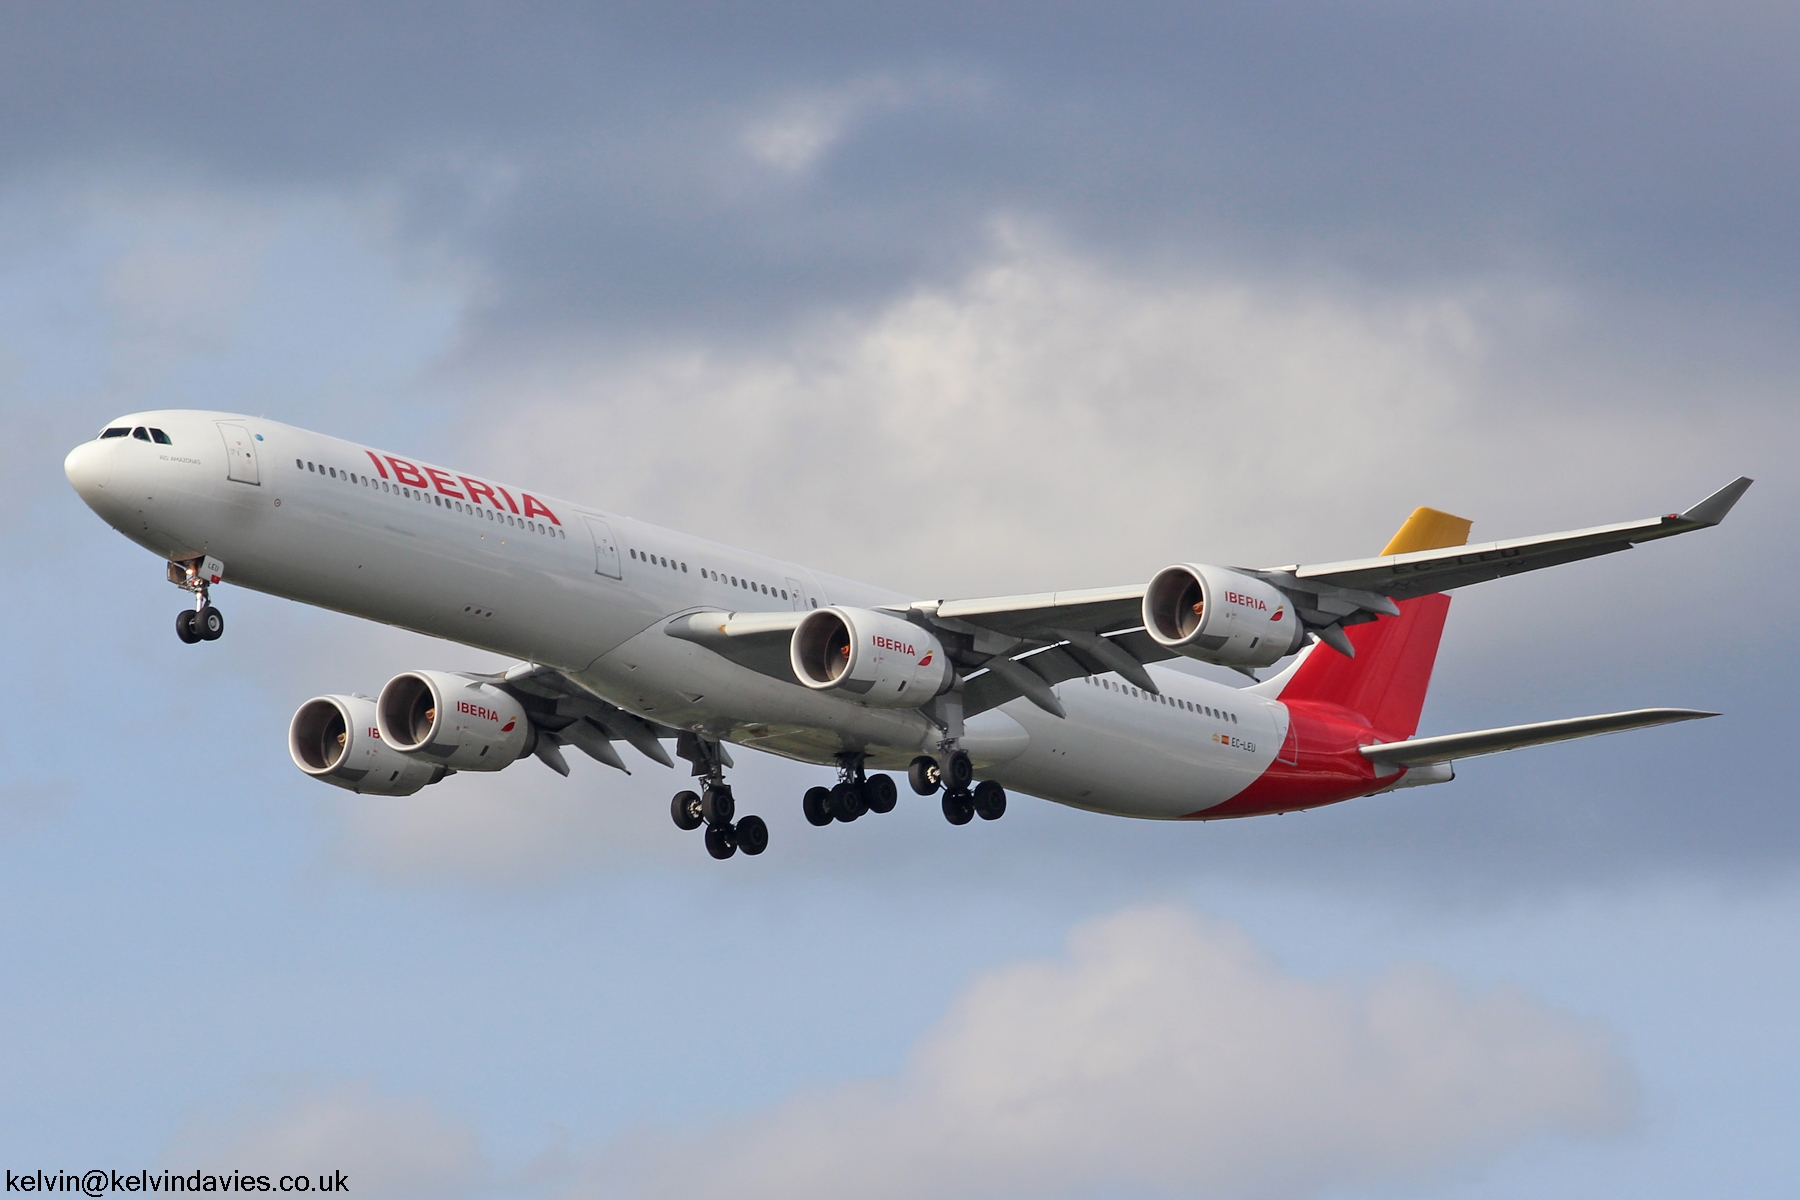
[{"x": 635, "y": 635}]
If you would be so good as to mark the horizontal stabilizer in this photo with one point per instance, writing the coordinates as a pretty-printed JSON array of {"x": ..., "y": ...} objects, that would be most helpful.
[{"x": 1446, "y": 747}]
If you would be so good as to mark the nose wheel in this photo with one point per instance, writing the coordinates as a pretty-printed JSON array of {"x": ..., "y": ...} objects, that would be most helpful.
[{"x": 203, "y": 622}]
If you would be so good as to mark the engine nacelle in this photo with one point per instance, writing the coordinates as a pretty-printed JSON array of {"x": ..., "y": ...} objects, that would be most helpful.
[
  {"x": 873, "y": 658},
  {"x": 458, "y": 722},
  {"x": 335, "y": 739},
  {"x": 1220, "y": 616}
]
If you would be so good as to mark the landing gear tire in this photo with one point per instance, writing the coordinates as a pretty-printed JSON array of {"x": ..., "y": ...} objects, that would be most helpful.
[
  {"x": 685, "y": 808},
  {"x": 816, "y": 804},
  {"x": 923, "y": 775},
  {"x": 959, "y": 772},
  {"x": 881, "y": 793},
  {"x": 186, "y": 626},
  {"x": 717, "y": 807},
  {"x": 959, "y": 808},
  {"x": 848, "y": 801},
  {"x": 721, "y": 840},
  {"x": 752, "y": 835},
  {"x": 209, "y": 623},
  {"x": 989, "y": 800}
]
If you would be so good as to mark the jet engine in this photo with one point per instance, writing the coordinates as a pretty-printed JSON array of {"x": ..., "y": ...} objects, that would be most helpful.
[
  {"x": 335, "y": 739},
  {"x": 869, "y": 657},
  {"x": 462, "y": 723},
  {"x": 1220, "y": 616}
]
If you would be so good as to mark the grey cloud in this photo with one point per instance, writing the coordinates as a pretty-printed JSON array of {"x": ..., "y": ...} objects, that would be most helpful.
[{"x": 1638, "y": 147}]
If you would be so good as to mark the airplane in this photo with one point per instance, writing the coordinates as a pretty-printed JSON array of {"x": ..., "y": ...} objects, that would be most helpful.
[{"x": 629, "y": 633}]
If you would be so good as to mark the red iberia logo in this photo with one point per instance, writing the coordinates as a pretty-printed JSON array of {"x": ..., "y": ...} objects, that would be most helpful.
[
  {"x": 926, "y": 661},
  {"x": 1279, "y": 610}
]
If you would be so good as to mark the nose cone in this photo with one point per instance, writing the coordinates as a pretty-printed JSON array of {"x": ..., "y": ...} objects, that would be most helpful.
[{"x": 89, "y": 468}]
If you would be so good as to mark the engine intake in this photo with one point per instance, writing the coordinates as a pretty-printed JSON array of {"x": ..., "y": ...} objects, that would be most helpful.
[
  {"x": 1220, "y": 616},
  {"x": 335, "y": 739},
  {"x": 870, "y": 657},
  {"x": 462, "y": 723}
]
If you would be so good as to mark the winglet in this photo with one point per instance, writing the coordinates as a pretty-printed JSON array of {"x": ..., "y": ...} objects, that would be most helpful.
[{"x": 1712, "y": 510}]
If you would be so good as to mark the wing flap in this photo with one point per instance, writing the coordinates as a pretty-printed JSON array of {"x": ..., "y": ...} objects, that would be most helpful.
[{"x": 1447, "y": 747}]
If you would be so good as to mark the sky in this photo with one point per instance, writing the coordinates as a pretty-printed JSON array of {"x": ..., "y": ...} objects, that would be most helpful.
[{"x": 961, "y": 300}]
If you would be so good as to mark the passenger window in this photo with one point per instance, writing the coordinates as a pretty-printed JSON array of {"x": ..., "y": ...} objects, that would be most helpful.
[
  {"x": 160, "y": 438},
  {"x": 141, "y": 434},
  {"x": 119, "y": 431},
  {"x": 331, "y": 471}
]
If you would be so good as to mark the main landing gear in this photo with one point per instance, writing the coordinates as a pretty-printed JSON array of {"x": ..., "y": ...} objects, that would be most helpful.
[
  {"x": 203, "y": 622},
  {"x": 954, "y": 775},
  {"x": 713, "y": 805},
  {"x": 856, "y": 793}
]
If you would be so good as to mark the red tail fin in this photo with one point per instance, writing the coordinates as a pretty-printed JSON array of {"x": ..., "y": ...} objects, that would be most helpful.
[{"x": 1385, "y": 683}]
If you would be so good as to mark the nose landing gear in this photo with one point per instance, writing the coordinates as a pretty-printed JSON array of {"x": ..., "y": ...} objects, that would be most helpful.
[
  {"x": 203, "y": 622},
  {"x": 713, "y": 806}
]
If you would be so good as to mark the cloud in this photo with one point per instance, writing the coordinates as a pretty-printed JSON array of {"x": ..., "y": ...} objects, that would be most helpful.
[
  {"x": 798, "y": 131},
  {"x": 1164, "y": 1054},
  {"x": 1388, "y": 144},
  {"x": 1050, "y": 420},
  {"x": 391, "y": 1147}
]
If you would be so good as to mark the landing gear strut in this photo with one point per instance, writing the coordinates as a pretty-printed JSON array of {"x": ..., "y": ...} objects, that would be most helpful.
[
  {"x": 203, "y": 622},
  {"x": 857, "y": 792},
  {"x": 714, "y": 806}
]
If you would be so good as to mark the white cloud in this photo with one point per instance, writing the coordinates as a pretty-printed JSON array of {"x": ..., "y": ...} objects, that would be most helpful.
[
  {"x": 1048, "y": 422},
  {"x": 1165, "y": 1054},
  {"x": 390, "y": 1147}
]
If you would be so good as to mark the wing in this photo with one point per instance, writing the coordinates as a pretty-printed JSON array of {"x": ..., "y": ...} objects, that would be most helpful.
[
  {"x": 1418, "y": 752},
  {"x": 1006, "y": 647},
  {"x": 1023, "y": 644},
  {"x": 1402, "y": 576}
]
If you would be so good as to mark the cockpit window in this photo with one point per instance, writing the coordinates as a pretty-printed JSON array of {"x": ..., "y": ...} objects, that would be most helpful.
[
  {"x": 160, "y": 438},
  {"x": 116, "y": 431},
  {"x": 141, "y": 434}
]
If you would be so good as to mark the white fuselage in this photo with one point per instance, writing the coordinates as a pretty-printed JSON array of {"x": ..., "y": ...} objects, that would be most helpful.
[{"x": 335, "y": 524}]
